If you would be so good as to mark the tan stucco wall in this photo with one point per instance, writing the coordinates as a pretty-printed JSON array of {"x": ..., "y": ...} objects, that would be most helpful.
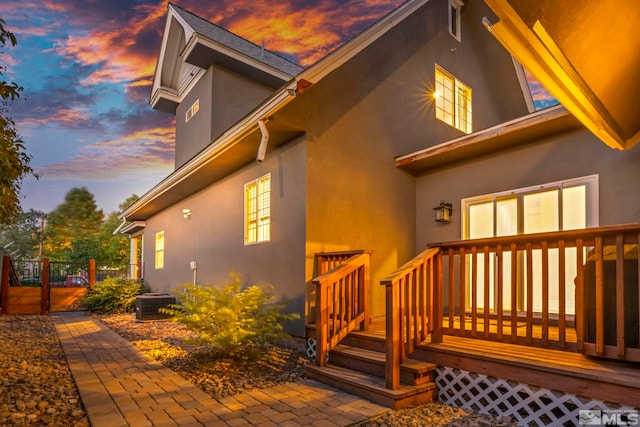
[
  {"x": 377, "y": 107},
  {"x": 560, "y": 157}
]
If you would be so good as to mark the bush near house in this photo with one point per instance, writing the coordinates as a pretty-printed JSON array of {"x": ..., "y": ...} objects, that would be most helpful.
[
  {"x": 239, "y": 323},
  {"x": 113, "y": 296}
]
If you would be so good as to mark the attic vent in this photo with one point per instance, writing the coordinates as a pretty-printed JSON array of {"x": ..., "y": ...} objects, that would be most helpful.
[{"x": 193, "y": 110}]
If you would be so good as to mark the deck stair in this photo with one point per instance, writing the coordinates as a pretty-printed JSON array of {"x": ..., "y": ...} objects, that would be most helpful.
[{"x": 357, "y": 365}]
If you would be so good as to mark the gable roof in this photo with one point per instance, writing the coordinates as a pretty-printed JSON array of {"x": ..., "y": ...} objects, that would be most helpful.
[
  {"x": 191, "y": 44},
  {"x": 234, "y": 147}
]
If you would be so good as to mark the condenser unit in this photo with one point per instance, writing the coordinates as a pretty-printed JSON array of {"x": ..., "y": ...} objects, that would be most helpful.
[{"x": 147, "y": 306}]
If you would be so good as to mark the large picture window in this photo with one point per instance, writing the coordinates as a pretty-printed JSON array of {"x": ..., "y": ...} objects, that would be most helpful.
[
  {"x": 257, "y": 209},
  {"x": 452, "y": 101},
  {"x": 159, "y": 259}
]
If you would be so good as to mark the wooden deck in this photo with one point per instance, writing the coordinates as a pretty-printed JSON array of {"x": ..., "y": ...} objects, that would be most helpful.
[
  {"x": 566, "y": 371},
  {"x": 607, "y": 380}
]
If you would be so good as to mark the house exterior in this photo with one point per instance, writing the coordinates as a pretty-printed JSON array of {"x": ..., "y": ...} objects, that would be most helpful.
[
  {"x": 276, "y": 164},
  {"x": 330, "y": 150}
]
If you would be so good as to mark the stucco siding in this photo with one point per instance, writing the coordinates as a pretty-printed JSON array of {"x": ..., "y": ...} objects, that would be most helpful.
[
  {"x": 560, "y": 157},
  {"x": 377, "y": 107},
  {"x": 214, "y": 235},
  {"x": 224, "y": 98}
]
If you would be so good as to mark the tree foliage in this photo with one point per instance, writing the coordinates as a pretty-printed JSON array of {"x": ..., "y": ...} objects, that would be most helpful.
[
  {"x": 73, "y": 228},
  {"x": 14, "y": 161},
  {"x": 22, "y": 237}
]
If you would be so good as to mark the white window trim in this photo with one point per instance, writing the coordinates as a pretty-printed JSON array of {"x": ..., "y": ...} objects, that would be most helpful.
[
  {"x": 155, "y": 250},
  {"x": 457, "y": 83},
  {"x": 591, "y": 182},
  {"x": 455, "y": 6},
  {"x": 245, "y": 216}
]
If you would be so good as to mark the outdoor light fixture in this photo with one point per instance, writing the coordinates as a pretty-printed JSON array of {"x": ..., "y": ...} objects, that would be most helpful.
[
  {"x": 186, "y": 213},
  {"x": 443, "y": 212}
]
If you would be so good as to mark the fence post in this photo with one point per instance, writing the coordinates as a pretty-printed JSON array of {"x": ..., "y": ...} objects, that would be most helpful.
[
  {"x": 4, "y": 295},
  {"x": 92, "y": 272},
  {"x": 44, "y": 289}
]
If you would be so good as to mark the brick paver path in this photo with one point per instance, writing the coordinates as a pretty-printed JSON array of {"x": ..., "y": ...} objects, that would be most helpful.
[{"x": 120, "y": 386}]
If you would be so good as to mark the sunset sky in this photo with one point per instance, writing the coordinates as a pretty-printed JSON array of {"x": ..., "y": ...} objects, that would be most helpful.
[{"x": 86, "y": 68}]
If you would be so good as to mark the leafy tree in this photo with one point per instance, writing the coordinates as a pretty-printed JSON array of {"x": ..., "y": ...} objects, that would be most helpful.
[
  {"x": 14, "y": 161},
  {"x": 22, "y": 237},
  {"x": 73, "y": 228}
]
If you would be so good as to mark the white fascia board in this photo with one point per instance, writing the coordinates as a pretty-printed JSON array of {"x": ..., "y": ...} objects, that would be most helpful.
[
  {"x": 188, "y": 32},
  {"x": 231, "y": 53}
]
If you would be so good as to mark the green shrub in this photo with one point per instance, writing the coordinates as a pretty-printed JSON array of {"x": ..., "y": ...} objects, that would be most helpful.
[
  {"x": 236, "y": 322},
  {"x": 113, "y": 296}
]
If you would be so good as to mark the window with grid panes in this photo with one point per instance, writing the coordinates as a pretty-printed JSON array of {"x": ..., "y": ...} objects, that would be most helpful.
[
  {"x": 159, "y": 258},
  {"x": 452, "y": 101},
  {"x": 257, "y": 210}
]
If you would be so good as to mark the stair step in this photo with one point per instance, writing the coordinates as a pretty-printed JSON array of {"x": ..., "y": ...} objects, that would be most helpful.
[
  {"x": 372, "y": 387},
  {"x": 412, "y": 372}
]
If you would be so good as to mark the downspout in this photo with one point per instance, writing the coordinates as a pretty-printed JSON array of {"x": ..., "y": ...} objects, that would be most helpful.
[
  {"x": 117, "y": 230},
  {"x": 262, "y": 149}
]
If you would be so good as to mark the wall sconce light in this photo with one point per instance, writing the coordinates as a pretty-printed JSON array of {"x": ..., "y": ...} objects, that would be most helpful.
[
  {"x": 186, "y": 213},
  {"x": 443, "y": 212}
]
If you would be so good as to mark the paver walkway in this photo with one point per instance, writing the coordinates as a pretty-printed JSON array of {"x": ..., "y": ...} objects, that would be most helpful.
[{"x": 120, "y": 386}]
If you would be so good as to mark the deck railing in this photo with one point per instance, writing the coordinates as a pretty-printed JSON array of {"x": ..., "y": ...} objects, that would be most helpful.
[
  {"x": 342, "y": 298},
  {"x": 572, "y": 290},
  {"x": 412, "y": 294}
]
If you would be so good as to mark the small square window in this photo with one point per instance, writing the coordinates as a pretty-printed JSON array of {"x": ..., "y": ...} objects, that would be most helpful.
[{"x": 193, "y": 110}]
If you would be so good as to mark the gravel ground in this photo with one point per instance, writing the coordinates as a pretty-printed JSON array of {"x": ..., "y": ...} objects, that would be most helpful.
[{"x": 36, "y": 387}]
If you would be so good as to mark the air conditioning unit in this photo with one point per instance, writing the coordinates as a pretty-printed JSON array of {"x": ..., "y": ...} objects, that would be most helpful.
[{"x": 147, "y": 306}]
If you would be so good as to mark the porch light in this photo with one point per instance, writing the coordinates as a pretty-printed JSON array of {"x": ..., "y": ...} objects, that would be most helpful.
[
  {"x": 443, "y": 212},
  {"x": 186, "y": 213}
]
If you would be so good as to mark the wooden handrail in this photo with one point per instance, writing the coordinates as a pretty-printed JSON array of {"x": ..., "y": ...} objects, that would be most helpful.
[
  {"x": 587, "y": 235},
  {"x": 413, "y": 309},
  {"x": 342, "y": 301}
]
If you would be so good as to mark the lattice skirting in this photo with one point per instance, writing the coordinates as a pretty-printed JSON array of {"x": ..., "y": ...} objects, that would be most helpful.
[{"x": 530, "y": 405}]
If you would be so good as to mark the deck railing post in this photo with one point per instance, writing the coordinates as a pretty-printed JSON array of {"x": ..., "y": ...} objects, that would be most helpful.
[
  {"x": 438, "y": 298},
  {"x": 322, "y": 323},
  {"x": 393, "y": 327},
  {"x": 365, "y": 295}
]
